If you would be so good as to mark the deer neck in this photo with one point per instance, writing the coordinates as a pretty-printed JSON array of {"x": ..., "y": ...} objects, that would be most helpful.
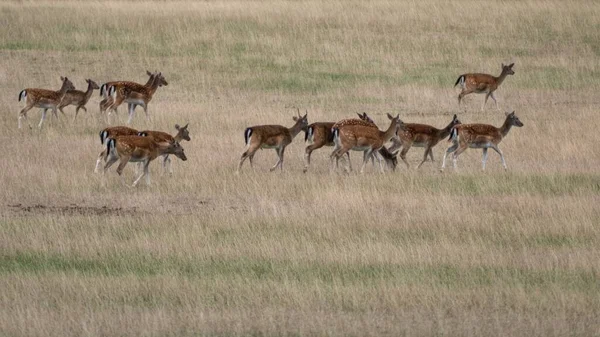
[
  {"x": 443, "y": 133},
  {"x": 501, "y": 78},
  {"x": 63, "y": 90},
  {"x": 389, "y": 133},
  {"x": 295, "y": 130},
  {"x": 153, "y": 86},
  {"x": 505, "y": 128},
  {"x": 89, "y": 91}
]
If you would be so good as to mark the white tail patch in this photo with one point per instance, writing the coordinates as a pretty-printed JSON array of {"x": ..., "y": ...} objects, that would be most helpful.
[
  {"x": 103, "y": 90},
  {"x": 103, "y": 136},
  {"x": 22, "y": 95}
]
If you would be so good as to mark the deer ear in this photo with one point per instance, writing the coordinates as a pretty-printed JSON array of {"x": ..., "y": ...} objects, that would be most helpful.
[
  {"x": 148, "y": 73},
  {"x": 176, "y": 126},
  {"x": 455, "y": 117},
  {"x": 502, "y": 65},
  {"x": 185, "y": 127},
  {"x": 511, "y": 65},
  {"x": 62, "y": 78},
  {"x": 295, "y": 118},
  {"x": 389, "y": 116}
]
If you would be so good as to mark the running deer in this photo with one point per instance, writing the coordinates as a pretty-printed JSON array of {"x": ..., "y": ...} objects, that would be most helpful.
[
  {"x": 137, "y": 96},
  {"x": 159, "y": 136},
  {"x": 479, "y": 136},
  {"x": 320, "y": 134},
  {"x": 482, "y": 84},
  {"x": 111, "y": 132},
  {"x": 78, "y": 98},
  {"x": 420, "y": 135},
  {"x": 359, "y": 135},
  {"x": 139, "y": 149},
  {"x": 275, "y": 137},
  {"x": 108, "y": 88},
  {"x": 44, "y": 99}
]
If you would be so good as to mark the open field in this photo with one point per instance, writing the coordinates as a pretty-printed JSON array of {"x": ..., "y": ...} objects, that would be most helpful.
[{"x": 208, "y": 252}]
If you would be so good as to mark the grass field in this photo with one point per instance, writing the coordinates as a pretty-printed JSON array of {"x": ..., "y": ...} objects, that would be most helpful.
[{"x": 208, "y": 252}]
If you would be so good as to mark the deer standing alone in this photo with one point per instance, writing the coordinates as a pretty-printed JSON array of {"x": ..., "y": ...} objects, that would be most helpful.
[
  {"x": 482, "y": 84},
  {"x": 78, "y": 98},
  {"x": 160, "y": 136},
  {"x": 479, "y": 136},
  {"x": 359, "y": 135},
  {"x": 138, "y": 149},
  {"x": 44, "y": 99},
  {"x": 275, "y": 137},
  {"x": 420, "y": 135}
]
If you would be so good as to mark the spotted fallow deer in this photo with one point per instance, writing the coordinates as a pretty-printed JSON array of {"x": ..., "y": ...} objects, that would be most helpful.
[
  {"x": 137, "y": 96},
  {"x": 108, "y": 88},
  {"x": 160, "y": 136},
  {"x": 359, "y": 135},
  {"x": 479, "y": 136},
  {"x": 320, "y": 134},
  {"x": 420, "y": 135},
  {"x": 139, "y": 149},
  {"x": 44, "y": 99},
  {"x": 275, "y": 137},
  {"x": 78, "y": 98},
  {"x": 482, "y": 84},
  {"x": 112, "y": 132}
]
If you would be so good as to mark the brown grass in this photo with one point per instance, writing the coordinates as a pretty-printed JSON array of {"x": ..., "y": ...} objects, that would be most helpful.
[{"x": 206, "y": 252}]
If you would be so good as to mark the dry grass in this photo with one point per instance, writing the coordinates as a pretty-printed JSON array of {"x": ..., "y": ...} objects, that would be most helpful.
[{"x": 206, "y": 252}]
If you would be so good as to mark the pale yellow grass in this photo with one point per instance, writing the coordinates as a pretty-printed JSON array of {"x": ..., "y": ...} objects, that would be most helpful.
[{"x": 208, "y": 252}]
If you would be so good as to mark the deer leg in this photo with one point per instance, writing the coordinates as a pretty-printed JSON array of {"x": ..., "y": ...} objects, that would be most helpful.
[
  {"x": 484, "y": 159},
  {"x": 485, "y": 100},
  {"x": 111, "y": 160},
  {"x": 23, "y": 115},
  {"x": 145, "y": 172},
  {"x": 403, "y": 153},
  {"x": 494, "y": 98},
  {"x": 307, "y": 153},
  {"x": 448, "y": 152},
  {"x": 145, "y": 106},
  {"x": 76, "y": 112},
  {"x": 457, "y": 153},
  {"x": 101, "y": 157},
  {"x": 42, "y": 119},
  {"x": 427, "y": 151},
  {"x": 495, "y": 147},
  {"x": 248, "y": 153},
  {"x": 279, "y": 160},
  {"x": 121, "y": 167},
  {"x": 349, "y": 161},
  {"x": 131, "y": 113},
  {"x": 61, "y": 111},
  {"x": 379, "y": 157},
  {"x": 366, "y": 156}
]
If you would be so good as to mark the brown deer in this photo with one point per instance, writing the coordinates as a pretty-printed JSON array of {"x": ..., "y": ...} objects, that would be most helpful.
[
  {"x": 482, "y": 84},
  {"x": 420, "y": 135},
  {"x": 137, "y": 96},
  {"x": 112, "y": 132},
  {"x": 107, "y": 89},
  {"x": 359, "y": 135},
  {"x": 78, "y": 98},
  {"x": 320, "y": 134},
  {"x": 44, "y": 99},
  {"x": 271, "y": 137},
  {"x": 138, "y": 149},
  {"x": 160, "y": 136},
  {"x": 479, "y": 136}
]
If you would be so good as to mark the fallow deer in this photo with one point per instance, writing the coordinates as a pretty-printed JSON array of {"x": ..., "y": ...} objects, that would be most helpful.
[
  {"x": 138, "y": 149},
  {"x": 160, "y": 136},
  {"x": 482, "y": 84},
  {"x": 112, "y": 132},
  {"x": 44, "y": 99},
  {"x": 137, "y": 96},
  {"x": 479, "y": 136},
  {"x": 420, "y": 135},
  {"x": 359, "y": 135},
  {"x": 271, "y": 137},
  {"x": 320, "y": 134},
  {"x": 107, "y": 89},
  {"x": 78, "y": 98}
]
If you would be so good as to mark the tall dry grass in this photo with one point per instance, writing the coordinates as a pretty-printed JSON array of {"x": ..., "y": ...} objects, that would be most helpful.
[{"x": 206, "y": 252}]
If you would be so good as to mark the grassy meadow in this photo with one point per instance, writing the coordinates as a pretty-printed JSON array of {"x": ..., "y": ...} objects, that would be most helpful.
[{"x": 206, "y": 252}]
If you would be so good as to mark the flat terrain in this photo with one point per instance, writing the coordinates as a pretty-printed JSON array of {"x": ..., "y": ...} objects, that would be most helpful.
[{"x": 208, "y": 252}]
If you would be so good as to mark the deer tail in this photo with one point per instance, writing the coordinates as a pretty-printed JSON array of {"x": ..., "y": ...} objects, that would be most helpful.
[
  {"x": 453, "y": 135},
  {"x": 110, "y": 147},
  {"x": 460, "y": 80},
  {"x": 308, "y": 135},
  {"x": 247, "y": 135},
  {"x": 22, "y": 95},
  {"x": 103, "y": 136}
]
